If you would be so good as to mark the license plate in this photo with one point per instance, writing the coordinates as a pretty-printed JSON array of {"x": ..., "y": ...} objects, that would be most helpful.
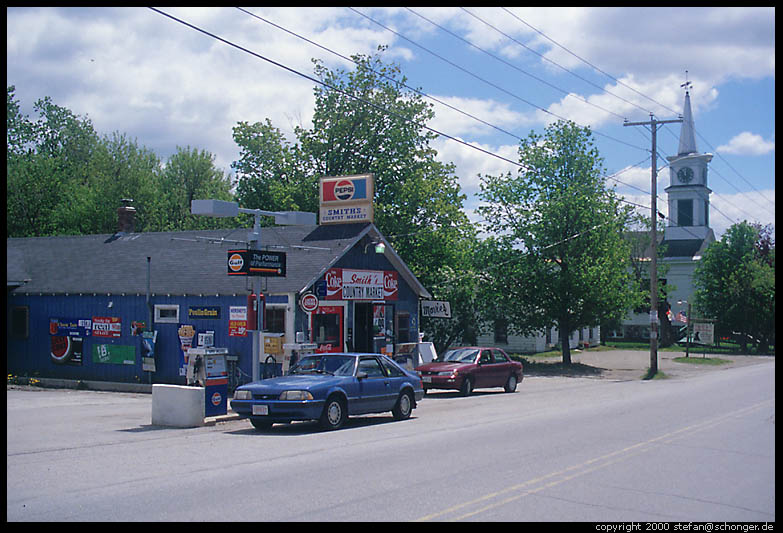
[
  {"x": 426, "y": 379},
  {"x": 260, "y": 409}
]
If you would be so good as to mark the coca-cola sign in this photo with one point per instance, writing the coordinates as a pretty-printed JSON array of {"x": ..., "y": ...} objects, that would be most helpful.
[{"x": 349, "y": 284}]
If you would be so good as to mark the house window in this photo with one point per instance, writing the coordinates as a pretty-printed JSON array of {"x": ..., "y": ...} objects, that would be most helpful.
[
  {"x": 20, "y": 322},
  {"x": 501, "y": 331},
  {"x": 167, "y": 314},
  {"x": 685, "y": 212}
]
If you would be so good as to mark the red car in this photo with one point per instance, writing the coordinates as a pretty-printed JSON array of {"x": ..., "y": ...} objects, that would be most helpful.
[{"x": 471, "y": 368}]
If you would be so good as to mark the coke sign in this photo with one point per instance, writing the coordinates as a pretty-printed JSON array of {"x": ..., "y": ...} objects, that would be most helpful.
[{"x": 348, "y": 284}]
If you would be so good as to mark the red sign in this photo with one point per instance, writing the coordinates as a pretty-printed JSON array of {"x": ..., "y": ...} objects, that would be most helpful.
[
  {"x": 348, "y": 284},
  {"x": 106, "y": 326},
  {"x": 309, "y": 302}
]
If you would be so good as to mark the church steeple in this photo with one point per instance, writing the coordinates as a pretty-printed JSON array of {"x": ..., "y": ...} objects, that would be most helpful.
[
  {"x": 688, "y": 193},
  {"x": 687, "y": 131}
]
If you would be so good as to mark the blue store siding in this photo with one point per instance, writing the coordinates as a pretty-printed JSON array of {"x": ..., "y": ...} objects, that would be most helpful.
[{"x": 32, "y": 356}]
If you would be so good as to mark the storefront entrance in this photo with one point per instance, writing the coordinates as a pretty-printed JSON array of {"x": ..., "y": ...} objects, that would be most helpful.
[{"x": 373, "y": 327}]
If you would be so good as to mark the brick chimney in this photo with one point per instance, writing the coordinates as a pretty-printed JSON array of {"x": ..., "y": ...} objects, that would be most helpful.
[{"x": 126, "y": 216}]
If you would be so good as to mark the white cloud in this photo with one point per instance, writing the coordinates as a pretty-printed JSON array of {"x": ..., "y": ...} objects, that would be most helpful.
[{"x": 747, "y": 143}]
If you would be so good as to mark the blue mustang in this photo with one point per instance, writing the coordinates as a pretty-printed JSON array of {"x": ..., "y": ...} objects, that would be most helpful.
[{"x": 328, "y": 387}]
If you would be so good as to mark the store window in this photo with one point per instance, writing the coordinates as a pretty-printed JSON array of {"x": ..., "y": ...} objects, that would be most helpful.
[
  {"x": 275, "y": 319},
  {"x": 20, "y": 322},
  {"x": 167, "y": 314}
]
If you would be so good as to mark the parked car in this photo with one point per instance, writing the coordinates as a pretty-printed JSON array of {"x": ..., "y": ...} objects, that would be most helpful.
[
  {"x": 329, "y": 387},
  {"x": 471, "y": 367}
]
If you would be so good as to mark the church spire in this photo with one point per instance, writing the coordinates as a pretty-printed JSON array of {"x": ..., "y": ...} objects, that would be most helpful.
[{"x": 687, "y": 132}]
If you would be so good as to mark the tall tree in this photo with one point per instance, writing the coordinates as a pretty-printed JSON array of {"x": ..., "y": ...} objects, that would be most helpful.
[
  {"x": 735, "y": 284},
  {"x": 365, "y": 121},
  {"x": 190, "y": 174},
  {"x": 45, "y": 158},
  {"x": 560, "y": 256}
]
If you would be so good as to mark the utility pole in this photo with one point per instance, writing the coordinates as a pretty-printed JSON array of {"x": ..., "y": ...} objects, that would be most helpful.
[{"x": 653, "y": 123}]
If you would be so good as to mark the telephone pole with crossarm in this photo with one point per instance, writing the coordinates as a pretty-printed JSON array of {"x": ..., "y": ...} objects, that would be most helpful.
[{"x": 653, "y": 123}]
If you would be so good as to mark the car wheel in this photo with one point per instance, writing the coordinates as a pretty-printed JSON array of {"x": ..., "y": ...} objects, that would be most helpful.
[
  {"x": 260, "y": 424},
  {"x": 467, "y": 387},
  {"x": 334, "y": 414},
  {"x": 404, "y": 406},
  {"x": 511, "y": 384}
]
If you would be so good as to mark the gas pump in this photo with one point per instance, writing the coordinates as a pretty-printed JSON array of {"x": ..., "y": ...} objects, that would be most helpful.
[{"x": 207, "y": 368}]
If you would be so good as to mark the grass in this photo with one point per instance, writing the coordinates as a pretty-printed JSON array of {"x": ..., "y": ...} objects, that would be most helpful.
[
  {"x": 725, "y": 348},
  {"x": 702, "y": 360}
]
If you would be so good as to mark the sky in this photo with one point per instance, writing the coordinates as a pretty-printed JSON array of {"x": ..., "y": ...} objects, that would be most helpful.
[{"x": 503, "y": 72}]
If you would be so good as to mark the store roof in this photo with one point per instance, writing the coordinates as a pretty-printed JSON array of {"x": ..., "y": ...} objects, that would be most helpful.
[{"x": 184, "y": 262}]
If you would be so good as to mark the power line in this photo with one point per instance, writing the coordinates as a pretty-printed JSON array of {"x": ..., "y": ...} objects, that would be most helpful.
[
  {"x": 466, "y": 71},
  {"x": 590, "y": 64},
  {"x": 330, "y": 87},
  {"x": 637, "y": 92},
  {"x": 556, "y": 64},
  {"x": 555, "y": 87}
]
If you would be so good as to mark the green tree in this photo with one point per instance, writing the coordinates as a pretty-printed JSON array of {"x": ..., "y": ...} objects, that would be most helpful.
[
  {"x": 735, "y": 284},
  {"x": 560, "y": 258},
  {"x": 45, "y": 159},
  {"x": 365, "y": 121},
  {"x": 190, "y": 174}
]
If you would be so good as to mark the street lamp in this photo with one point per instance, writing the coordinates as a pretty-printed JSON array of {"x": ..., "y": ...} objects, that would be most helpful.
[
  {"x": 688, "y": 319},
  {"x": 220, "y": 208}
]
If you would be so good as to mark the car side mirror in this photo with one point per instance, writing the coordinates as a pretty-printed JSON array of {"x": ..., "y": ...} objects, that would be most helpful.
[{"x": 361, "y": 375}]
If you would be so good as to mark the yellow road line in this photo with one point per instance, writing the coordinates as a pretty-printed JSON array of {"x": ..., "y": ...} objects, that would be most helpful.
[{"x": 584, "y": 468}]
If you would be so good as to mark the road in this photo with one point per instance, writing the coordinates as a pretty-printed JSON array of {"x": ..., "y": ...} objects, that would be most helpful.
[{"x": 700, "y": 448}]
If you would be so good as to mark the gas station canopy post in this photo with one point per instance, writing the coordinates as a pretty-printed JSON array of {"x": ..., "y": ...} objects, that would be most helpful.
[{"x": 221, "y": 208}]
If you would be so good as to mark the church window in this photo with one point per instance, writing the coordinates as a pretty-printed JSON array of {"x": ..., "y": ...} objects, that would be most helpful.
[
  {"x": 685, "y": 212},
  {"x": 706, "y": 213}
]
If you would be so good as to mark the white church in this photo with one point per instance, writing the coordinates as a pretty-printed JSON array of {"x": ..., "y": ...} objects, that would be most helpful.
[{"x": 688, "y": 232}]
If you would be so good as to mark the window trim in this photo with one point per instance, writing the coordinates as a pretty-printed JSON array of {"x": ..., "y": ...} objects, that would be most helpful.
[{"x": 166, "y": 319}]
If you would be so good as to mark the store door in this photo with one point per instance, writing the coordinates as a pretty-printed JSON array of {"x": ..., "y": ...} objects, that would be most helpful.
[
  {"x": 373, "y": 327},
  {"x": 326, "y": 323}
]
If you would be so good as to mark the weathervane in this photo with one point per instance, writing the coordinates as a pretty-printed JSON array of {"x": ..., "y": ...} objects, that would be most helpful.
[{"x": 687, "y": 84}]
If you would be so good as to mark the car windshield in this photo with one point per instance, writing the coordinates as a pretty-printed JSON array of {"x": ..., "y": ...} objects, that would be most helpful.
[
  {"x": 338, "y": 365},
  {"x": 460, "y": 355}
]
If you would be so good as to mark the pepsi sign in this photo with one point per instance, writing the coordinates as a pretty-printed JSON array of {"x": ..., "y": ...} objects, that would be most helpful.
[{"x": 346, "y": 199}]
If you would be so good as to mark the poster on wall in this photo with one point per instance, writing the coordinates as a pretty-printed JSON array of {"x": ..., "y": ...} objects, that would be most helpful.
[
  {"x": 106, "y": 326},
  {"x": 186, "y": 333},
  {"x": 66, "y": 350},
  {"x": 72, "y": 327},
  {"x": 148, "y": 339},
  {"x": 237, "y": 321},
  {"x": 113, "y": 354}
]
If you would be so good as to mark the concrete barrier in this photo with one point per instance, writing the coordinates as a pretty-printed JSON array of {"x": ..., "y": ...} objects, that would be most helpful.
[{"x": 177, "y": 405}]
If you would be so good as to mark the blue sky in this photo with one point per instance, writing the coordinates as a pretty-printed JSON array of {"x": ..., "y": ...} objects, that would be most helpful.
[{"x": 135, "y": 71}]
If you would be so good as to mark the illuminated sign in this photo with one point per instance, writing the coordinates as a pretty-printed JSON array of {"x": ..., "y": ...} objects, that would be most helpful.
[{"x": 346, "y": 199}]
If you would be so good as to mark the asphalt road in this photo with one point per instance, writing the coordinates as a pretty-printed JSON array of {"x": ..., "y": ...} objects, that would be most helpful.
[{"x": 700, "y": 447}]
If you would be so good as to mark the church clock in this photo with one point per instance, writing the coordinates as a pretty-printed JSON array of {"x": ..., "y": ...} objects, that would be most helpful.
[{"x": 685, "y": 174}]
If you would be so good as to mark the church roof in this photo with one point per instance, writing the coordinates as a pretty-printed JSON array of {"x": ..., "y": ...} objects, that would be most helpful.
[{"x": 687, "y": 131}]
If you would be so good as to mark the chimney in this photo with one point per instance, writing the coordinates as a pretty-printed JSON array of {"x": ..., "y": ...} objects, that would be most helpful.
[{"x": 126, "y": 216}]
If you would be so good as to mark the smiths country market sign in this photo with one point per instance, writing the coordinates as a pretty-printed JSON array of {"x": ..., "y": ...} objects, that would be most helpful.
[
  {"x": 347, "y": 199},
  {"x": 256, "y": 263},
  {"x": 346, "y": 284}
]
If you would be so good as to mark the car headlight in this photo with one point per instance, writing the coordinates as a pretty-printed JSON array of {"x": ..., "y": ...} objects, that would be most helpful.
[
  {"x": 296, "y": 395},
  {"x": 449, "y": 373},
  {"x": 243, "y": 395}
]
